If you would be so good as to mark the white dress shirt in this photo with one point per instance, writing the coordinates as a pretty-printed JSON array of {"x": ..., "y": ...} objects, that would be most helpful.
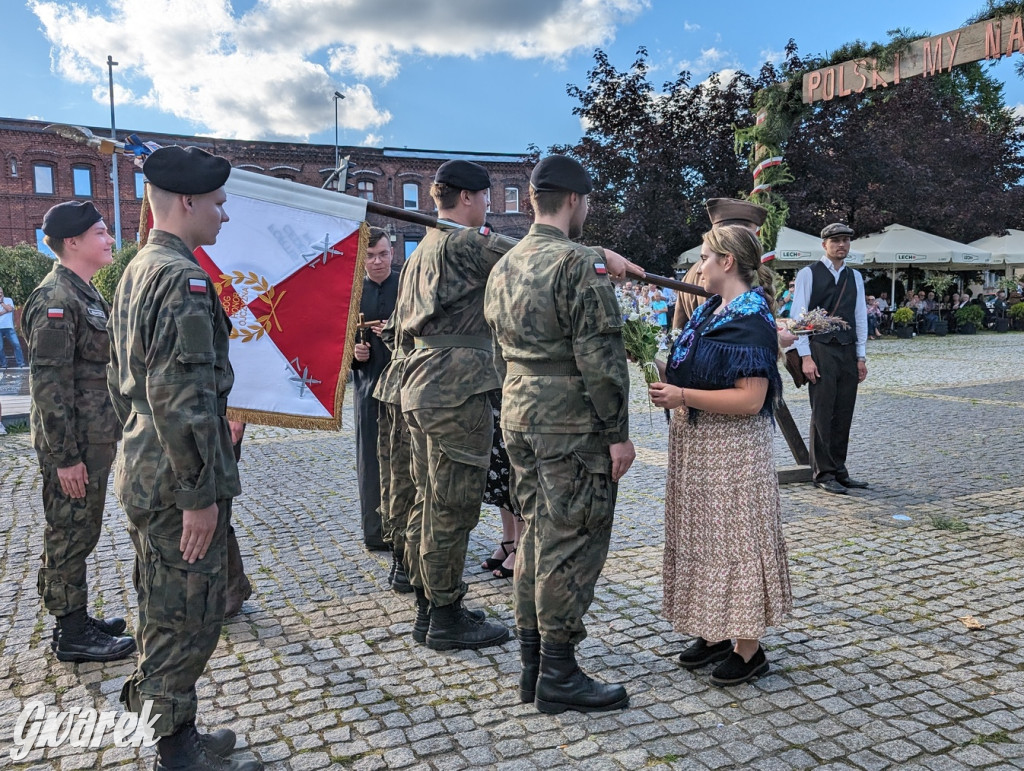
[{"x": 802, "y": 293}]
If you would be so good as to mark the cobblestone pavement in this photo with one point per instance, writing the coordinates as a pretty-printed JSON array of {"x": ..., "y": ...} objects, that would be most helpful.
[{"x": 874, "y": 670}]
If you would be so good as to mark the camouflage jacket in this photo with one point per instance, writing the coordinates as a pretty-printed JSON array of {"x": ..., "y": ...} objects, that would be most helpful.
[
  {"x": 169, "y": 378},
  {"x": 558, "y": 339},
  {"x": 440, "y": 314},
  {"x": 389, "y": 384},
  {"x": 65, "y": 322}
]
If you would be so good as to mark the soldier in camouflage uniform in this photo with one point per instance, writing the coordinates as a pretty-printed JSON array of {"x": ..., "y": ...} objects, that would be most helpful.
[
  {"x": 565, "y": 417},
  {"x": 74, "y": 429},
  {"x": 447, "y": 373},
  {"x": 169, "y": 378},
  {"x": 394, "y": 451}
]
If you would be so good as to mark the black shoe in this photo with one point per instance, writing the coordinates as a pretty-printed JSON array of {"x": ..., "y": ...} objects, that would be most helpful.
[
  {"x": 734, "y": 670},
  {"x": 188, "y": 750},
  {"x": 529, "y": 654},
  {"x": 114, "y": 626},
  {"x": 78, "y": 639},
  {"x": 852, "y": 483},
  {"x": 220, "y": 742},
  {"x": 562, "y": 684},
  {"x": 399, "y": 579},
  {"x": 700, "y": 653},
  {"x": 377, "y": 546},
  {"x": 831, "y": 486},
  {"x": 452, "y": 628}
]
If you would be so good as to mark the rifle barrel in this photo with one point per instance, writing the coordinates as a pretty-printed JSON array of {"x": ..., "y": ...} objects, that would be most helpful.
[{"x": 433, "y": 222}]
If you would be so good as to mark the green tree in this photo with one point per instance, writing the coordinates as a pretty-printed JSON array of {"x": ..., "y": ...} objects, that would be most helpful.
[
  {"x": 106, "y": 278},
  {"x": 22, "y": 267},
  {"x": 656, "y": 155}
]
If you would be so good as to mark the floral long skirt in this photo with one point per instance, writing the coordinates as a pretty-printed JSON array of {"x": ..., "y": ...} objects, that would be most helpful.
[{"x": 725, "y": 569}]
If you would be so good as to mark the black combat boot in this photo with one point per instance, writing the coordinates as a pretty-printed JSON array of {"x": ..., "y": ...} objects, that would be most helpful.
[
  {"x": 422, "y": 624},
  {"x": 187, "y": 750},
  {"x": 529, "y": 653},
  {"x": 78, "y": 639},
  {"x": 453, "y": 628},
  {"x": 562, "y": 684},
  {"x": 239, "y": 588},
  {"x": 114, "y": 626},
  {"x": 220, "y": 742},
  {"x": 399, "y": 579}
]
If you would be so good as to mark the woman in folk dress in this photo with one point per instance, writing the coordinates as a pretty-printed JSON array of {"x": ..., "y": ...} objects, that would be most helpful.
[{"x": 725, "y": 572}]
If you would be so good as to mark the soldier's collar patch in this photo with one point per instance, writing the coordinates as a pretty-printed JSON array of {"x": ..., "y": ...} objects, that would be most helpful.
[
  {"x": 96, "y": 312},
  {"x": 54, "y": 313},
  {"x": 197, "y": 285},
  {"x": 485, "y": 231},
  {"x": 600, "y": 269}
]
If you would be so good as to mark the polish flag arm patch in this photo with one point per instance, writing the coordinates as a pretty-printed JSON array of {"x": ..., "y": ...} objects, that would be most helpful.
[
  {"x": 54, "y": 313},
  {"x": 600, "y": 269},
  {"x": 197, "y": 285}
]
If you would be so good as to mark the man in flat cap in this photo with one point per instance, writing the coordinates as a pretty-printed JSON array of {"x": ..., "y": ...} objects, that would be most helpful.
[
  {"x": 834, "y": 363},
  {"x": 169, "y": 378},
  {"x": 74, "y": 428},
  {"x": 565, "y": 416}
]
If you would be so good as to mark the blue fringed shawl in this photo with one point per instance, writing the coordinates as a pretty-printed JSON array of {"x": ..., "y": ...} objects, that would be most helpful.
[{"x": 716, "y": 350}]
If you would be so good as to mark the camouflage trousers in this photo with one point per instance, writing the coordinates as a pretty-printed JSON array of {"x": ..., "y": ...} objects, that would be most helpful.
[
  {"x": 72, "y": 531},
  {"x": 451, "y": 453},
  {"x": 564, "y": 485},
  {"x": 181, "y": 611},
  {"x": 397, "y": 491}
]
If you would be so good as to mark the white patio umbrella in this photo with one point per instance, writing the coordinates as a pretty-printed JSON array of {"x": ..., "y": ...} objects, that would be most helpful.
[
  {"x": 689, "y": 257},
  {"x": 794, "y": 246},
  {"x": 1008, "y": 249},
  {"x": 899, "y": 245}
]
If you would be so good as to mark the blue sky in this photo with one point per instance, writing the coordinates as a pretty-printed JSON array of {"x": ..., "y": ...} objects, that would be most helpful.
[{"x": 437, "y": 74}]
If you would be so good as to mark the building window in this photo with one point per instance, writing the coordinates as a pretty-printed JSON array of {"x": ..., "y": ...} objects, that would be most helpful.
[
  {"x": 14, "y": 167},
  {"x": 81, "y": 177},
  {"x": 364, "y": 189},
  {"x": 140, "y": 184},
  {"x": 410, "y": 247},
  {"x": 511, "y": 199},
  {"x": 410, "y": 196},
  {"x": 43, "y": 178},
  {"x": 41, "y": 245}
]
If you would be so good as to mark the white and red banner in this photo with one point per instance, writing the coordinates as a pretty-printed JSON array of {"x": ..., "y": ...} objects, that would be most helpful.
[{"x": 288, "y": 269}]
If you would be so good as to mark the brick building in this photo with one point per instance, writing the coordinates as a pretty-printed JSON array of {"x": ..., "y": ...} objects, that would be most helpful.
[{"x": 41, "y": 168}]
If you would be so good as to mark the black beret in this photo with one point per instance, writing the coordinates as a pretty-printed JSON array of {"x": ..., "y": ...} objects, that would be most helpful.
[
  {"x": 836, "y": 229},
  {"x": 559, "y": 172},
  {"x": 732, "y": 211},
  {"x": 70, "y": 219},
  {"x": 464, "y": 175},
  {"x": 186, "y": 170}
]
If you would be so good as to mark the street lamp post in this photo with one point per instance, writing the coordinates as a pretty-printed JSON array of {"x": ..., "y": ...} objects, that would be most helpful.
[
  {"x": 113, "y": 156},
  {"x": 337, "y": 95}
]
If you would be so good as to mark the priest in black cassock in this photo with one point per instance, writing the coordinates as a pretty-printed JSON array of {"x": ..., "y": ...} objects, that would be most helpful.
[{"x": 380, "y": 290}]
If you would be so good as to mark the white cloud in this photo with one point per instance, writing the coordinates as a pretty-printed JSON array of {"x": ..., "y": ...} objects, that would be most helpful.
[
  {"x": 775, "y": 57},
  {"x": 270, "y": 71},
  {"x": 373, "y": 140},
  {"x": 690, "y": 27}
]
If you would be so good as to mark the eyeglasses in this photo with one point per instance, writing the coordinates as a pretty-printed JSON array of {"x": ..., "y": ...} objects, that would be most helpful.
[{"x": 378, "y": 257}]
